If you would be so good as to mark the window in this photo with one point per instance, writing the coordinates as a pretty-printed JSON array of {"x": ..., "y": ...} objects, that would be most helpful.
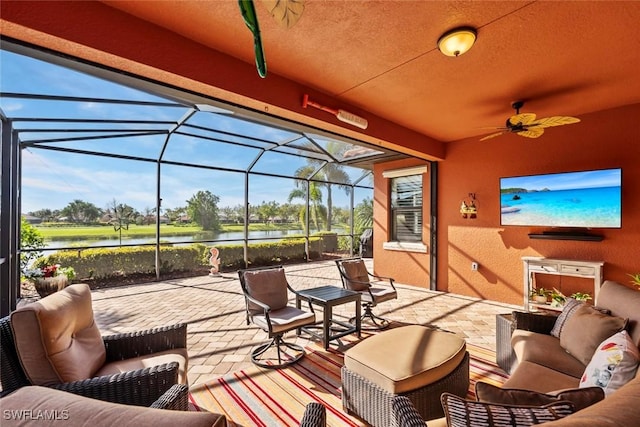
[{"x": 406, "y": 208}]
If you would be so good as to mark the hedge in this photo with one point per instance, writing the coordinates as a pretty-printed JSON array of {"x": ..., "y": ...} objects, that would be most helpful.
[{"x": 109, "y": 262}]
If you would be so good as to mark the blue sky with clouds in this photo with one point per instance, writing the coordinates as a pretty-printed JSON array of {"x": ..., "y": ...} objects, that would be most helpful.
[{"x": 52, "y": 179}]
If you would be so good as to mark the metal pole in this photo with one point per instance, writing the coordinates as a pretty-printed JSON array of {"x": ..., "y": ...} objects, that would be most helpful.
[
  {"x": 351, "y": 214},
  {"x": 306, "y": 243}
]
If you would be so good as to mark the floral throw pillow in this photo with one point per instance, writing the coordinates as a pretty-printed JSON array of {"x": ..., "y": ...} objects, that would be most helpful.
[{"x": 613, "y": 364}]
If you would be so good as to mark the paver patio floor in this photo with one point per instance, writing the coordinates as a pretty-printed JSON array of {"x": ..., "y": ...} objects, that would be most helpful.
[{"x": 219, "y": 340}]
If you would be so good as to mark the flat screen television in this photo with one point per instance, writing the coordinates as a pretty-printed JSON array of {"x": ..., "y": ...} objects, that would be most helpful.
[{"x": 587, "y": 199}]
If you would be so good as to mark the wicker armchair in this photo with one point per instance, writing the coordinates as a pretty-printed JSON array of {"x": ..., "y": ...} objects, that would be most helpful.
[
  {"x": 373, "y": 289},
  {"x": 142, "y": 386}
]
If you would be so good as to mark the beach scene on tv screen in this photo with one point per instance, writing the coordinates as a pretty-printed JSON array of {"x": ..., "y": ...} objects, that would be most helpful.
[{"x": 590, "y": 199}]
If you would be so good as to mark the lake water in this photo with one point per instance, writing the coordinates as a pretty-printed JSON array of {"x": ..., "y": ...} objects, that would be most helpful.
[{"x": 228, "y": 237}]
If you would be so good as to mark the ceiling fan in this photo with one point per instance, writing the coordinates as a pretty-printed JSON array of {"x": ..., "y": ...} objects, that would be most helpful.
[
  {"x": 525, "y": 124},
  {"x": 285, "y": 12}
]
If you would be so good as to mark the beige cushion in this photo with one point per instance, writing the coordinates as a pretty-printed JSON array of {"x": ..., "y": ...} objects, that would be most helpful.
[
  {"x": 285, "y": 319},
  {"x": 619, "y": 409},
  {"x": 587, "y": 328},
  {"x": 580, "y": 397},
  {"x": 406, "y": 358},
  {"x": 545, "y": 350},
  {"x": 57, "y": 339},
  {"x": 531, "y": 376},
  {"x": 268, "y": 287},
  {"x": 357, "y": 276},
  {"x": 623, "y": 301},
  {"x": 179, "y": 355},
  {"x": 78, "y": 411}
]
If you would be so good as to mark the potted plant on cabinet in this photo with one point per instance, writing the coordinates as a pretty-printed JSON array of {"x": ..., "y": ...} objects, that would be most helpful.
[
  {"x": 539, "y": 295},
  {"x": 635, "y": 280}
]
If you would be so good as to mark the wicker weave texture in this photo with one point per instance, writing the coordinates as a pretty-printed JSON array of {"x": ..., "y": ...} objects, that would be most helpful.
[
  {"x": 12, "y": 376},
  {"x": 374, "y": 405},
  {"x": 505, "y": 356},
  {"x": 315, "y": 415},
  {"x": 175, "y": 399}
]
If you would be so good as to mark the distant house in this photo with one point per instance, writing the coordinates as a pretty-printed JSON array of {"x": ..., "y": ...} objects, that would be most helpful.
[{"x": 32, "y": 219}]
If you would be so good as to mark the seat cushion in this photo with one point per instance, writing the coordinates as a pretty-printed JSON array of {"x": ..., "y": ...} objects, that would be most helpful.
[
  {"x": 267, "y": 286},
  {"x": 57, "y": 338},
  {"x": 534, "y": 377},
  {"x": 357, "y": 276},
  {"x": 406, "y": 358},
  {"x": 179, "y": 355},
  {"x": 545, "y": 350},
  {"x": 285, "y": 319},
  {"x": 70, "y": 410}
]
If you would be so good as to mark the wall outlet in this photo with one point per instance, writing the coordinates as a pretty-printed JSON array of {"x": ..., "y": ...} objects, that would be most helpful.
[{"x": 474, "y": 266}]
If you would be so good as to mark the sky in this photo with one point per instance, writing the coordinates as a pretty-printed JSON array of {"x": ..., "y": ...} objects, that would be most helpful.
[
  {"x": 52, "y": 179},
  {"x": 566, "y": 181}
]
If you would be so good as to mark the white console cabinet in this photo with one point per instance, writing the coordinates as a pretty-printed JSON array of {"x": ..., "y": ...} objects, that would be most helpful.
[{"x": 560, "y": 267}]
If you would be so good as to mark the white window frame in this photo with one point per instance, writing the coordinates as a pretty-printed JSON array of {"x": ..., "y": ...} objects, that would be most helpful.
[{"x": 419, "y": 247}]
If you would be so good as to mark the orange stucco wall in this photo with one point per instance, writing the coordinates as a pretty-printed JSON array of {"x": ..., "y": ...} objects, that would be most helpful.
[
  {"x": 601, "y": 140},
  {"x": 404, "y": 267},
  {"x": 605, "y": 139}
]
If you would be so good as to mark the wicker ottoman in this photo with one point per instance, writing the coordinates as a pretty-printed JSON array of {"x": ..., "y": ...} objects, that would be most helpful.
[{"x": 413, "y": 361}]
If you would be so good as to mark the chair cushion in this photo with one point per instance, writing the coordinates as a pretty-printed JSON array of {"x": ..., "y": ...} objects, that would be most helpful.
[
  {"x": 580, "y": 397},
  {"x": 285, "y": 319},
  {"x": 356, "y": 272},
  {"x": 586, "y": 329},
  {"x": 179, "y": 355},
  {"x": 545, "y": 350},
  {"x": 267, "y": 286},
  {"x": 57, "y": 338},
  {"x": 406, "y": 358},
  {"x": 49, "y": 407}
]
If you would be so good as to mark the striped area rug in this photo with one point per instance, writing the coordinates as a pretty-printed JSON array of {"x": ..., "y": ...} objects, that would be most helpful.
[{"x": 277, "y": 397}]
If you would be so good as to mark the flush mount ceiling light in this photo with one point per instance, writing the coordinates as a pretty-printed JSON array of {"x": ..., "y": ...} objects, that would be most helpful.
[{"x": 457, "y": 41}]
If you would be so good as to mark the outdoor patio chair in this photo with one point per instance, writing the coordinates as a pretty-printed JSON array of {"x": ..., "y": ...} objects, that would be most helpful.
[
  {"x": 55, "y": 342},
  {"x": 355, "y": 277},
  {"x": 266, "y": 301}
]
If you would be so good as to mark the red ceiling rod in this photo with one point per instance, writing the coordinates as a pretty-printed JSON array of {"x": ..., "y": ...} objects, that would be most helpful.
[{"x": 343, "y": 116}]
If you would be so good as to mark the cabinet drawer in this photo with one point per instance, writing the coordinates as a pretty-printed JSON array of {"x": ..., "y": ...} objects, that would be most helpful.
[
  {"x": 543, "y": 268},
  {"x": 578, "y": 270}
]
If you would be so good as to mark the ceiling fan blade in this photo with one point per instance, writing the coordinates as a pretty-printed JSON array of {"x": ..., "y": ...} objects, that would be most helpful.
[
  {"x": 534, "y": 132},
  {"x": 524, "y": 118},
  {"x": 285, "y": 12},
  {"x": 493, "y": 135},
  {"x": 554, "y": 121}
]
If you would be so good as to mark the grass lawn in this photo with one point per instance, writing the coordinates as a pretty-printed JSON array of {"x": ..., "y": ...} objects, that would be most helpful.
[{"x": 106, "y": 232}]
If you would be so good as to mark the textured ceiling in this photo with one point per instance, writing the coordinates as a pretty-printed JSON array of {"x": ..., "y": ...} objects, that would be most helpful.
[{"x": 562, "y": 58}]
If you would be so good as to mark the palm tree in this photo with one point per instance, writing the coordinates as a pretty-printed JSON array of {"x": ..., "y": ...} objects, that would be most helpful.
[
  {"x": 329, "y": 172},
  {"x": 316, "y": 209}
]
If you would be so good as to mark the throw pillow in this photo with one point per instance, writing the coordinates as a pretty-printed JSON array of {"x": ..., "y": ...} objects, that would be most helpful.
[
  {"x": 570, "y": 306},
  {"x": 586, "y": 329},
  {"x": 467, "y": 413},
  {"x": 580, "y": 397},
  {"x": 613, "y": 365}
]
